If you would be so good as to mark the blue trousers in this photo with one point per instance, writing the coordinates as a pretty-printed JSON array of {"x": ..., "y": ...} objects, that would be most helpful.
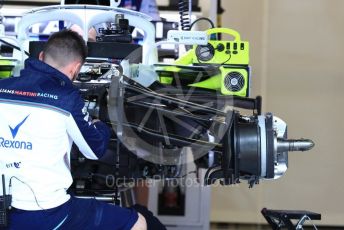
[{"x": 76, "y": 213}]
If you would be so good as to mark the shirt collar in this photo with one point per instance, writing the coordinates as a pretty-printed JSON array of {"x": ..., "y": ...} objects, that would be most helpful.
[{"x": 34, "y": 64}]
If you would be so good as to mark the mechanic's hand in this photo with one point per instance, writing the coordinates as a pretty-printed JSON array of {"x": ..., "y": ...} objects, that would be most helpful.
[{"x": 153, "y": 223}]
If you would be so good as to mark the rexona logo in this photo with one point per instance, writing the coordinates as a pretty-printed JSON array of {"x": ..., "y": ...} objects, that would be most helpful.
[{"x": 16, "y": 144}]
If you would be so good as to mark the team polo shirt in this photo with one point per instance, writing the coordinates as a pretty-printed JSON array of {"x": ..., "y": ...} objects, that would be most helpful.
[{"x": 41, "y": 115}]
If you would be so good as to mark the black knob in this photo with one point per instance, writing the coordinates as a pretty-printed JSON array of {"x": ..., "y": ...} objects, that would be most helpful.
[{"x": 220, "y": 47}]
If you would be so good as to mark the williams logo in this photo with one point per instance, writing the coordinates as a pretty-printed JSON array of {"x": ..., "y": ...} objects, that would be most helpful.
[{"x": 16, "y": 144}]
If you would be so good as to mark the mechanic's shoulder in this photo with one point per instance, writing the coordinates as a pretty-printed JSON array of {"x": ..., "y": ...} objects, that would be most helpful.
[
  {"x": 68, "y": 97},
  {"x": 76, "y": 99},
  {"x": 5, "y": 81}
]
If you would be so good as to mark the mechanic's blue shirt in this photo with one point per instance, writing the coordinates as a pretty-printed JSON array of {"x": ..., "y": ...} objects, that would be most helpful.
[{"x": 41, "y": 115}]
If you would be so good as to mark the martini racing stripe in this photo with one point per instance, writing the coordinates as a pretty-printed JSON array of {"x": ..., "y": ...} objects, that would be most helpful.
[{"x": 33, "y": 104}]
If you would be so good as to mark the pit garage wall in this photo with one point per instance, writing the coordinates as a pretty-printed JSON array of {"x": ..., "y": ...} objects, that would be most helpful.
[{"x": 297, "y": 58}]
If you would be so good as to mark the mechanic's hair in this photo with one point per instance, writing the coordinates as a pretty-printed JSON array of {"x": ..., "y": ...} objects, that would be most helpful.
[{"x": 64, "y": 47}]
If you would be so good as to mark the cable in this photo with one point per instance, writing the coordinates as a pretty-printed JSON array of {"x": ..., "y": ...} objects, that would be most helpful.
[
  {"x": 204, "y": 19},
  {"x": 13, "y": 46},
  {"x": 229, "y": 58},
  {"x": 188, "y": 173},
  {"x": 184, "y": 14},
  {"x": 10, "y": 186}
]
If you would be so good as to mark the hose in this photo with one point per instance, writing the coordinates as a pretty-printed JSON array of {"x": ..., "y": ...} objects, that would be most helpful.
[{"x": 183, "y": 6}]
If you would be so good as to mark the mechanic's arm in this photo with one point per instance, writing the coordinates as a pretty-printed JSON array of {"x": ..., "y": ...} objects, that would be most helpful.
[
  {"x": 92, "y": 138},
  {"x": 151, "y": 221},
  {"x": 140, "y": 223}
]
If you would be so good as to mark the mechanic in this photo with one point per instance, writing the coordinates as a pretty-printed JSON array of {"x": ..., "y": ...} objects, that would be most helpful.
[{"x": 41, "y": 115}]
